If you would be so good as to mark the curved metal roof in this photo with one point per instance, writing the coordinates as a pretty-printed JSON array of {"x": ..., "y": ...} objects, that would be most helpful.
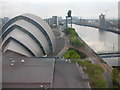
[{"x": 31, "y": 31}]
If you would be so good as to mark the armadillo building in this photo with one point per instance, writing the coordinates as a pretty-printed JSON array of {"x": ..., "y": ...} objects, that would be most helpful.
[{"x": 28, "y": 35}]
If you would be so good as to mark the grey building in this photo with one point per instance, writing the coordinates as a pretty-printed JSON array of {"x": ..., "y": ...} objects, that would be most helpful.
[
  {"x": 55, "y": 20},
  {"x": 102, "y": 20},
  {"x": 59, "y": 19},
  {"x": 0, "y": 20},
  {"x": 4, "y": 20},
  {"x": 49, "y": 21},
  {"x": 28, "y": 35}
]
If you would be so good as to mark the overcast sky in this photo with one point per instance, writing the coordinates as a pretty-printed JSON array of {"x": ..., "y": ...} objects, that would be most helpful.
[{"x": 47, "y": 8}]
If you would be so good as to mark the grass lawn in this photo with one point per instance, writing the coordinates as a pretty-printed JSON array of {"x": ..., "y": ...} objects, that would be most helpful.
[{"x": 94, "y": 72}]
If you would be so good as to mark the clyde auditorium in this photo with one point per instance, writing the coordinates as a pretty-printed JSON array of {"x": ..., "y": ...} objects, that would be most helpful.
[{"x": 28, "y": 35}]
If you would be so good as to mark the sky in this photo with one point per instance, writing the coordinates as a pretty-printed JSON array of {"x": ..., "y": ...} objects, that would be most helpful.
[{"x": 88, "y": 9}]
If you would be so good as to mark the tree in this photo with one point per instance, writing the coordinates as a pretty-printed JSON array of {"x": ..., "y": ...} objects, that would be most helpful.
[
  {"x": 115, "y": 74},
  {"x": 66, "y": 55},
  {"x": 71, "y": 54},
  {"x": 75, "y": 56}
]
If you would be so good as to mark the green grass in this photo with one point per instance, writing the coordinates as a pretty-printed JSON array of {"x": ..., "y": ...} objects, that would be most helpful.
[
  {"x": 115, "y": 77},
  {"x": 71, "y": 32},
  {"x": 94, "y": 72}
]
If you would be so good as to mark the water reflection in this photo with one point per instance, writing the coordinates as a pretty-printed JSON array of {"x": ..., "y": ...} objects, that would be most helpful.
[
  {"x": 98, "y": 40},
  {"x": 102, "y": 36}
]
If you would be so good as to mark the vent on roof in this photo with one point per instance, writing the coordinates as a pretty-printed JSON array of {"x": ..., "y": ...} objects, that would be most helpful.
[
  {"x": 41, "y": 86},
  {"x": 13, "y": 61},
  {"x": 12, "y": 64},
  {"x": 22, "y": 61}
]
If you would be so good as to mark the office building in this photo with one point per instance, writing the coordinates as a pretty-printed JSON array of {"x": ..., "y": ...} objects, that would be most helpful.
[{"x": 55, "y": 20}]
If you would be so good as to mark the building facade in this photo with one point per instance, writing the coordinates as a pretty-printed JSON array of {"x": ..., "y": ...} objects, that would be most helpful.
[
  {"x": 55, "y": 20},
  {"x": 102, "y": 20}
]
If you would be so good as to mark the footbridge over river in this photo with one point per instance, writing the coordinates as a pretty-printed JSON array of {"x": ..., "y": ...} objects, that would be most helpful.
[{"x": 109, "y": 55}]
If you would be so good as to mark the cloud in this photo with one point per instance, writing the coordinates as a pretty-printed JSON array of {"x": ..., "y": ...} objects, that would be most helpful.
[
  {"x": 12, "y": 8},
  {"x": 38, "y": 1}
]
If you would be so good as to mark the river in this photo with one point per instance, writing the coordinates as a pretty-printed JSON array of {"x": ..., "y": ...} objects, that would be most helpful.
[{"x": 100, "y": 41}]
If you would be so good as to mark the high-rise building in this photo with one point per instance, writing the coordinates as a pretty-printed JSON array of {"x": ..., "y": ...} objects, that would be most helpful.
[
  {"x": 55, "y": 20},
  {"x": 4, "y": 20},
  {"x": 102, "y": 20},
  {"x": 49, "y": 21},
  {"x": 119, "y": 15},
  {"x": 59, "y": 19}
]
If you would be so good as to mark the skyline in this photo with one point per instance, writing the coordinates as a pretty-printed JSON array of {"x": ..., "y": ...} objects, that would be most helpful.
[{"x": 47, "y": 9}]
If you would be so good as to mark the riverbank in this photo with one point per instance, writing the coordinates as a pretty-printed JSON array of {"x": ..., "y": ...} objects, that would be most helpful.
[
  {"x": 97, "y": 60},
  {"x": 93, "y": 58},
  {"x": 100, "y": 41}
]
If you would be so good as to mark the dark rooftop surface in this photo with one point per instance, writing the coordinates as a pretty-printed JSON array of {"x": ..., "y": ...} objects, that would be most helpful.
[
  {"x": 32, "y": 71},
  {"x": 67, "y": 75},
  {"x": 46, "y": 71}
]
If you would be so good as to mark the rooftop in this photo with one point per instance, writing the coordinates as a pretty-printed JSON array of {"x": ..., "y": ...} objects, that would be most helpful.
[
  {"x": 50, "y": 72},
  {"x": 31, "y": 71}
]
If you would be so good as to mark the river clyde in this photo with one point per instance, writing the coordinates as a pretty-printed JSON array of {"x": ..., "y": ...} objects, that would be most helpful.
[{"x": 100, "y": 41}]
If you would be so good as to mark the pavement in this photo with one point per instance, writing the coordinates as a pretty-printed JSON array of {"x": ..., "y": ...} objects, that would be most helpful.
[
  {"x": 60, "y": 43},
  {"x": 108, "y": 79}
]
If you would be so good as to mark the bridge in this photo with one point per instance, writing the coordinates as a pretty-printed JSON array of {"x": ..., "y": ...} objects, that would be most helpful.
[
  {"x": 100, "y": 24},
  {"x": 109, "y": 55},
  {"x": 102, "y": 54},
  {"x": 101, "y": 28}
]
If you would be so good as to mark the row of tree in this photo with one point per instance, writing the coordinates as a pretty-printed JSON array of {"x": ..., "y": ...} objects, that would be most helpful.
[
  {"x": 73, "y": 54},
  {"x": 73, "y": 37}
]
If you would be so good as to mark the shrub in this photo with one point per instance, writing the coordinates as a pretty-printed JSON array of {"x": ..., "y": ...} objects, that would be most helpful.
[
  {"x": 70, "y": 31},
  {"x": 115, "y": 74},
  {"x": 73, "y": 37},
  {"x": 97, "y": 81},
  {"x": 71, "y": 54},
  {"x": 94, "y": 72},
  {"x": 75, "y": 41}
]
